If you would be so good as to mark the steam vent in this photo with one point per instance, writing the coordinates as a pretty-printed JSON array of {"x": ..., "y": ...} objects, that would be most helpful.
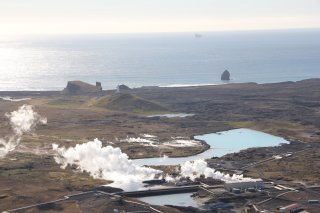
[{"x": 225, "y": 76}]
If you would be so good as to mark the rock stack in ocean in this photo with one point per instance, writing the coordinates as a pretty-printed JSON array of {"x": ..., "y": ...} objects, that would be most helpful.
[{"x": 225, "y": 76}]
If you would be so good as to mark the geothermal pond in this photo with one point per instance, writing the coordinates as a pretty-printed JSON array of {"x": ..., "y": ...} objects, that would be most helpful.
[
  {"x": 221, "y": 143},
  {"x": 183, "y": 199},
  {"x": 173, "y": 115}
]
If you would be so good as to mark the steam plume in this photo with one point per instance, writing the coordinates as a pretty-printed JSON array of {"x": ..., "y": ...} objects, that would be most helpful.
[
  {"x": 22, "y": 121},
  {"x": 199, "y": 167},
  {"x": 105, "y": 162},
  {"x": 110, "y": 163}
]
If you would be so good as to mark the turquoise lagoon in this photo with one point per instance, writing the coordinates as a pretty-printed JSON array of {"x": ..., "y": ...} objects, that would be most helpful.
[{"x": 221, "y": 143}]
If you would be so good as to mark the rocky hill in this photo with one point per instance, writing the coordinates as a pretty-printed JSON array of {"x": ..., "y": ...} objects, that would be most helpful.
[
  {"x": 80, "y": 87},
  {"x": 129, "y": 103}
]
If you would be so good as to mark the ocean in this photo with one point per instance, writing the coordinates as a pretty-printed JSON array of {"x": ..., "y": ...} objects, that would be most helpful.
[{"x": 159, "y": 59}]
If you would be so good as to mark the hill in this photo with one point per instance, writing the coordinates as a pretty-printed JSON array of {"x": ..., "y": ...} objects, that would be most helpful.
[
  {"x": 80, "y": 87},
  {"x": 129, "y": 103}
]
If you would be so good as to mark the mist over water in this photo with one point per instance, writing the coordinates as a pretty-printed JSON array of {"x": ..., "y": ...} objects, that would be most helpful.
[{"x": 47, "y": 63}]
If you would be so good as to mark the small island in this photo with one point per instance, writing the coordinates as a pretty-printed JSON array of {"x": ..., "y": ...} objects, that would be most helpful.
[{"x": 225, "y": 76}]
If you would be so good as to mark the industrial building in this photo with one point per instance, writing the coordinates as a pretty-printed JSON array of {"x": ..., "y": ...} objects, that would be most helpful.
[{"x": 242, "y": 186}]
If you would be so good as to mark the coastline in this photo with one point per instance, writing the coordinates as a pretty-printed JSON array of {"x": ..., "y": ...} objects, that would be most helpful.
[{"x": 39, "y": 92}]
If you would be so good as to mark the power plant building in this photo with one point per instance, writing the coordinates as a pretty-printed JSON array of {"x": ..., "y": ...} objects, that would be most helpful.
[{"x": 257, "y": 184}]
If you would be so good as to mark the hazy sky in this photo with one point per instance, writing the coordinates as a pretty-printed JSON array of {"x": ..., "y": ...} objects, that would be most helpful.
[{"x": 113, "y": 16}]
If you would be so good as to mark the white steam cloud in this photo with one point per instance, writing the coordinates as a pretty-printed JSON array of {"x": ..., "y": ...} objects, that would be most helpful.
[
  {"x": 199, "y": 167},
  {"x": 108, "y": 163},
  {"x": 22, "y": 121}
]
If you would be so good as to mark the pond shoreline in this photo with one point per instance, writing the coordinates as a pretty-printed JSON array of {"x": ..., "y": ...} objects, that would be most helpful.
[{"x": 212, "y": 150}]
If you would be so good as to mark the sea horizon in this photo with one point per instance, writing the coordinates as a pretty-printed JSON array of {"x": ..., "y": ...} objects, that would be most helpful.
[{"x": 46, "y": 63}]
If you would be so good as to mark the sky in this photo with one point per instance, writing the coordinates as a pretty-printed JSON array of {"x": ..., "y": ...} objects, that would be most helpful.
[{"x": 24, "y": 17}]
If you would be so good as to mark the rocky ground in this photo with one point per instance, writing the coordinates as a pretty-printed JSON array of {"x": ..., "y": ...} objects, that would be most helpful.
[{"x": 291, "y": 110}]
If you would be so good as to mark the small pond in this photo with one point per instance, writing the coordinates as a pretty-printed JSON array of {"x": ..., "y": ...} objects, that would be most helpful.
[
  {"x": 173, "y": 115},
  {"x": 221, "y": 143},
  {"x": 184, "y": 199}
]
